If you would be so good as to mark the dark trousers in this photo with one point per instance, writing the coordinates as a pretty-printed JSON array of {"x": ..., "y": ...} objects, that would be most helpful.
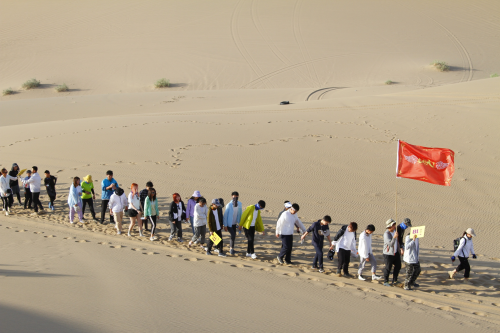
[
  {"x": 464, "y": 264},
  {"x": 232, "y": 232},
  {"x": 389, "y": 261},
  {"x": 36, "y": 201},
  {"x": 344, "y": 257},
  {"x": 176, "y": 227},
  {"x": 28, "y": 199},
  {"x": 104, "y": 208},
  {"x": 90, "y": 202},
  {"x": 218, "y": 246},
  {"x": 318, "y": 258},
  {"x": 250, "y": 235},
  {"x": 286, "y": 247},
  {"x": 412, "y": 273},
  {"x": 11, "y": 199},
  {"x": 52, "y": 198},
  {"x": 6, "y": 202}
]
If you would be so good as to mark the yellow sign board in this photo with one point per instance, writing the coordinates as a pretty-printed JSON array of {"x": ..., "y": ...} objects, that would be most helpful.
[
  {"x": 419, "y": 231},
  {"x": 215, "y": 238},
  {"x": 20, "y": 173}
]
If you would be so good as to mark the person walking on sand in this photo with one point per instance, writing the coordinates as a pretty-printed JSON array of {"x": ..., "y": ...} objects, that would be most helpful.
[
  {"x": 284, "y": 229},
  {"x": 134, "y": 209},
  {"x": 319, "y": 230},
  {"x": 345, "y": 245},
  {"x": 6, "y": 191},
  {"x": 88, "y": 195},
  {"x": 288, "y": 205},
  {"x": 35, "y": 183},
  {"x": 176, "y": 215},
  {"x": 190, "y": 208},
  {"x": 117, "y": 203},
  {"x": 215, "y": 224},
  {"x": 108, "y": 186},
  {"x": 251, "y": 221},
  {"x": 151, "y": 211},
  {"x": 366, "y": 253},
  {"x": 411, "y": 259},
  {"x": 465, "y": 248},
  {"x": 50, "y": 185},
  {"x": 200, "y": 223},
  {"x": 75, "y": 200},
  {"x": 232, "y": 217},
  {"x": 142, "y": 196},
  {"x": 14, "y": 185},
  {"x": 392, "y": 255},
  {"x": 28, "y": 199}
]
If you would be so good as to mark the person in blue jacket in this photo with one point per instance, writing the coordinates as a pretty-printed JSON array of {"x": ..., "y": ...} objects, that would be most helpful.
[
  {"x": 232, "y": 217},
  {"x": 108, "y": 186}
]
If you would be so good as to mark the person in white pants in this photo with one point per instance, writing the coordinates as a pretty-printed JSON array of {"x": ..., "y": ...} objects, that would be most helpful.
[{"x": 366, "y": 253}]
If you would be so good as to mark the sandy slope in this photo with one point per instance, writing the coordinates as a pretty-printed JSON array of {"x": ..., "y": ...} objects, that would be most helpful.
[{"x": 219, "y": 128}]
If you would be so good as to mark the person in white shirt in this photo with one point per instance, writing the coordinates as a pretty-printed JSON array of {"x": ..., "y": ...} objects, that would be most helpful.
[
  {"x": 200, "y": 223},
  {"x": 284, "y": 229},
  {"x": 117, "y": 203},
  {"x": 465, "y": 248},
  {"x": 232, "y": 217},
  {"x": 134, "y": 209},
  {"x": 366, "y": 254},
  {"x": 5, "y": 190},
  {"x": 35, "y": 182},
  {"x": 345, "y": 245}
]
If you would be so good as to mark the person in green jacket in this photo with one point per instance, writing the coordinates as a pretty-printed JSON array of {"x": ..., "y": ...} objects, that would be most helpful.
[
  {"x": 251, "y": 221},
  {"x": 151, "y": 211},
  {"x": 88, "y": 195}
]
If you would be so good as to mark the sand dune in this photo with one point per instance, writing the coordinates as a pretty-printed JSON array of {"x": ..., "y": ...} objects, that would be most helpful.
[{"x": 220, "y": 128}]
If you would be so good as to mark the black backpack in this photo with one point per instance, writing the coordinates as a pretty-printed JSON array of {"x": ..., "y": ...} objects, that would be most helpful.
[{"x": 456, "y": 243}]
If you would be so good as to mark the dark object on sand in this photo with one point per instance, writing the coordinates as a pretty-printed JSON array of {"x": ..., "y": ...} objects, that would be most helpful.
[{"x": 284, "y": 103}]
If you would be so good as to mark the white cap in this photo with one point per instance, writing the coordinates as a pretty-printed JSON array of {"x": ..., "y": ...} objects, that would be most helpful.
[
  {"x": 470, "y": 231},
  {"x": 288, "y": 205}
]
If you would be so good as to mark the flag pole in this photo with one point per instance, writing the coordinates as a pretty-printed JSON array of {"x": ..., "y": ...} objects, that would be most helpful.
[{"x": 396, "y": 192}]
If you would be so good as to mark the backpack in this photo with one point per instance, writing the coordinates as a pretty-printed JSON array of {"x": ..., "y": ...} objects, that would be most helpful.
[
  {"x": 341, "y": 232},
  {"x": 456, "y": 243}
]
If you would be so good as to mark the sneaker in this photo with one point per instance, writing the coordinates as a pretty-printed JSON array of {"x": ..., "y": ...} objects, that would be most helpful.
[
  {"x": 169, "y": 238},
  {"x": 209, "y": 253},
  {"x": 216, "y": 250},
  {"x": 140, "y": 234},
  {"x": 50, "y": 204},
  {"x": 314, "y": 267},
  {"x": 232, "y": 252},
  {"x": 153, "y": 238},
  {"x": 8, "y": 209},
  {"x": 249, "y": 255},
  {"x": 467, "y": 281},
  {"x": 339, "y": 273},
  {"x": 52, "y": 208},
  {"x": 190, "y": 243},
  {"x": 280, "y": 260},
  {"x": 6, "y": 213},
  {"x": 128, "y": 234},
  {"x": 118, "y": 232},
  {"x": 451, "y": 274},
  {"x": 415, "y": 285},
  {"x": 407, "y": 288},
  {"x": 253, "y": 256},
  {"x": 288, "y": 262},
  {"x": 376, "y": 277},
  {"x": 72, "y": 222},
  {"x": 222, "y": 254},
  {"x": 204, "y": 248},
  {"x": 360, "y": 277},
  {"x": 180, "y": 240},
  {"x": 347, "y": 275},
  {"x": 387, "y": 284},
  {"x": 321, "y": 270}
]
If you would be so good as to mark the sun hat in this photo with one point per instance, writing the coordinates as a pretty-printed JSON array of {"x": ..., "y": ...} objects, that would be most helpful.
[
  {"x": 470, "y": 231},
  {"x": 389, "y": 223},
  {"x": 407, "y": 221},
  {"x": 196, "y": 194}
]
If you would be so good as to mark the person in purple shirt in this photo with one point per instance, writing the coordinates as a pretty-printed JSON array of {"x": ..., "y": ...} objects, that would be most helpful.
[{"x": 190, "y": 208}]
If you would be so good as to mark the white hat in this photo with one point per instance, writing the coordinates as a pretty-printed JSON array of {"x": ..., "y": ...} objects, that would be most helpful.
[
  {"x": 288, "y": 205},
  {"x": 470, "y": 231},
  {"x": 196, "y": 194},
  {"x": 389, "y": 223}
]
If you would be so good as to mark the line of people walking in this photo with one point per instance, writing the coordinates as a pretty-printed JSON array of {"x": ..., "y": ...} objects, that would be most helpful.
[{"x": 143, "y": 210}]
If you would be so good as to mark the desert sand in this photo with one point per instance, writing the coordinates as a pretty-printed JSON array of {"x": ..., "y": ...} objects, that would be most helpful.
[{"x": 219, "y": 128}]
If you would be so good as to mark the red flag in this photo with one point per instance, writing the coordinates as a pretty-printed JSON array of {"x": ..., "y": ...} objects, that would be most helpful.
[{"x": 432, "y": 165}]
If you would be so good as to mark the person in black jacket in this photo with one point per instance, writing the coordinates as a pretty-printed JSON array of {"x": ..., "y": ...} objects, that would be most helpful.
[
  {"x": 401, "y": 228},
  {"x": 176, "y": 215},
  {"x": 14, "y": 185},
  {"x": 215, "y": 225},
  {"x": 50, "y": 185},
  {"x": 319, "y": 230}
]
